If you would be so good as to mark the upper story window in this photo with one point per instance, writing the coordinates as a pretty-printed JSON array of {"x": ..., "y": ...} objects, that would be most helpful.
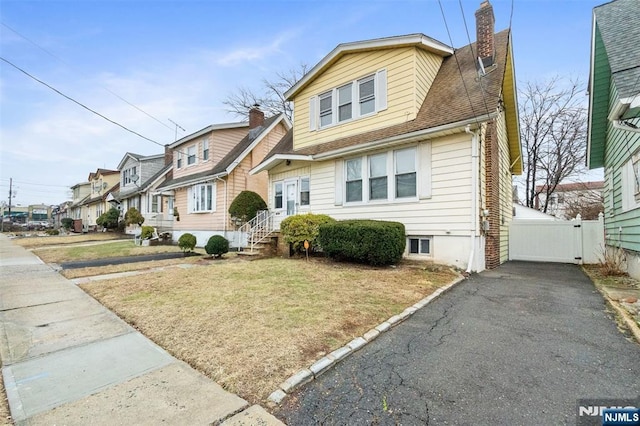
[
  {"x": 128, "y": 175},
  {"x": 356, "y": 99},
  {"x": 205, "y": 150},
  {"x": 191, "y": 155},
  {"x": 178, "y": 159}
]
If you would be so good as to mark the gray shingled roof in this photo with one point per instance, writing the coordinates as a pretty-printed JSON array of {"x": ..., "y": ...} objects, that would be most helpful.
[
  {"x": 619, "y": 25},
  {"x": 446, "y": 102},
  {"x": 221, "y": 166}
]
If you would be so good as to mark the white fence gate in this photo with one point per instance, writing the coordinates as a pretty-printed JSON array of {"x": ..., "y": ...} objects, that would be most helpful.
[{"x": 576, "y": 241}]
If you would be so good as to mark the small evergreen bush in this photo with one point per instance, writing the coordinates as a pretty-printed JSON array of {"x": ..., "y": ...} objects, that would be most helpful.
[
  {"x": 52, "y": 232},
  {"x": 217, "y": 246},
  {"x": 246, "y": 205},
  {"x": 146, "y": 232},
  {"x": 67, "y": 223},
  {"x": 187, "y": 242},
  {"x": 133, "y": 217},
  {"x": 109, "y": 219},
  {"x": 296, "y": 229},
  {"x": 365, "y": 241}
]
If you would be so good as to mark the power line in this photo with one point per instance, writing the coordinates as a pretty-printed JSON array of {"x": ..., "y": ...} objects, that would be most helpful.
[
  {"x": 79, "y": 103},
  {"x": 458, "y": 63},
  {"x": 105, "y": 88}
]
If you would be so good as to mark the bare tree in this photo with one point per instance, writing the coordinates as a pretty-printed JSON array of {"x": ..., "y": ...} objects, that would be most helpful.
[
  {"x": 272, "y": 100},
  {"x": 588, "y": 204},
  {"x": 553, "y": 123}
]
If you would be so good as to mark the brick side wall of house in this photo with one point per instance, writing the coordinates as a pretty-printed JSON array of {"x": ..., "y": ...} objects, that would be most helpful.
[{"x": 492, "y": 246}]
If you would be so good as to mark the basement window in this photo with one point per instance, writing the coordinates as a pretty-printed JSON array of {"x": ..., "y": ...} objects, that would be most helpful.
[{"x": 419, "y": 245}]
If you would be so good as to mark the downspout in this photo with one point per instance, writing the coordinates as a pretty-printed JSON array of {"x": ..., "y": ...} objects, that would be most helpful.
[
  {"x": 226, "y": 210},
  {"x": 475, "y": 159}
]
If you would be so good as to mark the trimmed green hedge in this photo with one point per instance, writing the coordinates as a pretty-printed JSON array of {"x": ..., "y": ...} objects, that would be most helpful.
[
  {"x": 365, "y": 241},
  {"x": 246, "y": 205},
  {"x": 298, "y": 228}
]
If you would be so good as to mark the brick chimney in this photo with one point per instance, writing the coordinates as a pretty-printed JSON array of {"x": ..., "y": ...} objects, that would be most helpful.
[
  {"x": 485, "y": 30},
  {"x": 168, "y": 155},
  {"x": 256, "y": 117}
]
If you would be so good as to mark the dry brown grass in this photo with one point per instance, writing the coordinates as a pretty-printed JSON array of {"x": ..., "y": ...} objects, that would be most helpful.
[
  {"x": 5, "y": 416},
  {"x": 36, "y": 241},
  {"x": 99, "y": 251},
  {"x": 251, "y": 324}
]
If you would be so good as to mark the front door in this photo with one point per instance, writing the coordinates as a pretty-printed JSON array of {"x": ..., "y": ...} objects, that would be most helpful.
[{"x": 290, "y": 193}]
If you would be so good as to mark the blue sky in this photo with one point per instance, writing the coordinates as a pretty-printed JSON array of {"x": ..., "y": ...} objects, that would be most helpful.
[{"x": 179, "y": 60}]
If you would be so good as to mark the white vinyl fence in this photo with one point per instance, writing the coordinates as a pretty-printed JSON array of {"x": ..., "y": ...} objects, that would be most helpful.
[{"x": 575, "y": 241}]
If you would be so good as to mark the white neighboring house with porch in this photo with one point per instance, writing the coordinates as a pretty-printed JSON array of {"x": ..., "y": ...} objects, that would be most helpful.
[{"x": 139, "y": 177}]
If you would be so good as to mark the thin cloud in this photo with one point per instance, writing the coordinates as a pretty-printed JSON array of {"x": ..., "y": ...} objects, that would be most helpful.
[{"x": 255, "y": 53}]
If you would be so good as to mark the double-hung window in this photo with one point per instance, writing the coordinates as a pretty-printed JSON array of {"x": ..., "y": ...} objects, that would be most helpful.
[
  {"x": 156, "y": 204},
  {"x": 326, "y": 109},
  {"x": 205, "y": 150},
  {"x": 354, "y": 180},
  {"x": 304, "y": 191},
  {"x": 355, "y": 99},
  {"x": 405, "y": 173},
  {"x": 366, "y": 95},
  {"x": 179, "y": 159},
  {"x": 345, "y": 104},
  {"x": 277, "y": 198},
  {"x": 191, "y": 155},
  {"x": 378, "y": 177},
  {"x": 202, "y": 198}
]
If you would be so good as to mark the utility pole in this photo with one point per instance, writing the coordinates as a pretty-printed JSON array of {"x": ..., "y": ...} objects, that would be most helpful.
[{"x": 9, "y": 217}]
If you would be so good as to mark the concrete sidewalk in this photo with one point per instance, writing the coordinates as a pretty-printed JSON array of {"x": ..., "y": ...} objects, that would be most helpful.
[{"x": 68, "y": 360}]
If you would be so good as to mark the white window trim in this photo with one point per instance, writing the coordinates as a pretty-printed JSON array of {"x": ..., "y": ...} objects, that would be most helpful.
[
  {"x": 630, "y": 199},
  {"x": 380, "y": 99},
  {"x": 205, "y": 148},
  {"x": 179, "y": 164},
  {"x": 195, "y": 155},
  {"x": 275, "y": 192},
  {"x": 419, "y": 238},
  {"x": 283, "y": 183},
  {"x": 422, "y": 159},
  {"x": 191, "y": 201}
]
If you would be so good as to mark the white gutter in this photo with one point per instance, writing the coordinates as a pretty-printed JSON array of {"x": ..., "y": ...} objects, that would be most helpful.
[
  {"x": 622, "y": 125},
  {"x": 475, "y": 160}
]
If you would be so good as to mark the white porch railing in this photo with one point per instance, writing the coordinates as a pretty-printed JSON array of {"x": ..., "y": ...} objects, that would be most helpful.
[{"x": 259, "y": 228}]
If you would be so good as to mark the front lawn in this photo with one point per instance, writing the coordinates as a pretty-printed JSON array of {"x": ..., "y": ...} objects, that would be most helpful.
[
  {"x": 99, "y": 251},
  {"x": 249, "y": 325},
  {"x": 54, "y": 240}
]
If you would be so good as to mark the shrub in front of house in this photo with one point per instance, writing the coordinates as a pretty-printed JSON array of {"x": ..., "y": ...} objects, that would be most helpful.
[
  {"x": 217, "y": 246},
  {"x": 365, "y": 241},
  {"x": 133, "y": 217},
  {"x": 67, "y": 223},
  {"x": 109, "y": 219},
  {"x": 298, "y": 228},
  {"x": 187, "y": 242},
  {"x": 246, "y": 205},
  {"x": 146, "y": 233},
  {"x": 52, "y": 232}
]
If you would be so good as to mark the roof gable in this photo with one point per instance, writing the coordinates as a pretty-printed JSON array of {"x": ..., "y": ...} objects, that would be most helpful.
[{"x": 420, "y": 41}]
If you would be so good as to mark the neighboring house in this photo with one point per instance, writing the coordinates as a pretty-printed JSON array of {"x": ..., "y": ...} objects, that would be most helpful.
[
  {"x": 140, "y": 176},
  {"x": 521, "y": 212},
  {"x": 78, "y": 208},
  {"x": 569, "y": 199},
  {"x": 210, "y": 168},
  {"x": 103, "y": 184},
  {"x": 59, "y": 212},
  {"x": 614, "y": 122},
  {"x": 408, "y": 129}
]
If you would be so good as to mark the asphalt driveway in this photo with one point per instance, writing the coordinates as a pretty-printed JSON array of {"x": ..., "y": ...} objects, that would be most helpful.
[{"x": 519, "y": 345}]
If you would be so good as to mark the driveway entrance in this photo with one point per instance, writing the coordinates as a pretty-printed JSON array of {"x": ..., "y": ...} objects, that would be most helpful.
[{"x": 521, "y": 345}]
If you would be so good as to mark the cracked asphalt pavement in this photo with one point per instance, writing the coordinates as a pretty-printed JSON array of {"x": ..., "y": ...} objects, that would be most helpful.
[{"x": 518, "y": 345}]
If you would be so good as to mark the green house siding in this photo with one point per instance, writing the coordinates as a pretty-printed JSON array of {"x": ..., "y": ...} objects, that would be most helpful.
[
  {"x": 622, "y": 227},
  {"x": 600, "y": 102}
]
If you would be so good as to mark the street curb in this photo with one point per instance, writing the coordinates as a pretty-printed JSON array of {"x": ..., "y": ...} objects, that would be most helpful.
[{"x": 325, "y": 363}]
